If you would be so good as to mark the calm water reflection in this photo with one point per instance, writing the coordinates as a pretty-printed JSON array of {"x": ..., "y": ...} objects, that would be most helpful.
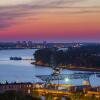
[{"x": 24, "y": 71}]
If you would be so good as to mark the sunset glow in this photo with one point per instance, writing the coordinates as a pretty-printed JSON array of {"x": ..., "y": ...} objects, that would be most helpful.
[{"x": 52, "y": 20}]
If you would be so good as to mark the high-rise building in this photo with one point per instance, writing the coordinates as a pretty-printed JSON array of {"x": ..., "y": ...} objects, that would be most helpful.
[{"x": 30, "y": 44}]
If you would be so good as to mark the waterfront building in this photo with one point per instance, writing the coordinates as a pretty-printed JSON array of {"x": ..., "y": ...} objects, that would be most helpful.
[{"x": 23, "y": 87}]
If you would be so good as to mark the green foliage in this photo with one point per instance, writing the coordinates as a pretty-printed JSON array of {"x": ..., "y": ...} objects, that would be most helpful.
[
  {"x": 13, "y": 95},
  {"x": 43, "y": 55},
  {"x": 49, "y": 97},
  {"x": 81, "y": 96}
]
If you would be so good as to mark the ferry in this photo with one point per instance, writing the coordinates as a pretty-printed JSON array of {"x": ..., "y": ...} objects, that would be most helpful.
[{"x": 15, "y": 58}]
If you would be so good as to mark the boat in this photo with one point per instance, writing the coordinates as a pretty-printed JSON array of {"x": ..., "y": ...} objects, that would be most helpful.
[{"x": 15, "y": 58}]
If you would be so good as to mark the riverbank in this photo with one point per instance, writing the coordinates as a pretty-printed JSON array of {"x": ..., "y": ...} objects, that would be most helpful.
[
  {"x": 70, "y": 67},
  {"x": 17, "y": 48}
]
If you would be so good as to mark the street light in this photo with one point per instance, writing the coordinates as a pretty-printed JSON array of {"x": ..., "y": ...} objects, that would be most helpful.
[{"x": 67, "y": 79}]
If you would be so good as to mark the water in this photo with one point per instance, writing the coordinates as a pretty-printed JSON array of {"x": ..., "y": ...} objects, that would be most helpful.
[{"x": 24, "y": 71}]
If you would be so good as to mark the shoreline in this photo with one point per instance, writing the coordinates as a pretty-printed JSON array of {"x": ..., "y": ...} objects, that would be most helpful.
[
  {"x": 16, "y": 48},
  {"x": 73, "y": 68}
]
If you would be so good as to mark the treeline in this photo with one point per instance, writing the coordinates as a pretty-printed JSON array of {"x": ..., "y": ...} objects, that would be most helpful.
[
  {"x": 88, "y": 56},
  {"x": 17, "y": 95}
]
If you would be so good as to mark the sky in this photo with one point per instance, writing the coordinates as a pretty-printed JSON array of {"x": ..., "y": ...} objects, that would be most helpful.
[{"x": 50, "y": 20}]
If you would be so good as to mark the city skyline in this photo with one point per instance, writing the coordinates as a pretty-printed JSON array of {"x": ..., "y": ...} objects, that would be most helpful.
[{"x": 50, "y": 20}]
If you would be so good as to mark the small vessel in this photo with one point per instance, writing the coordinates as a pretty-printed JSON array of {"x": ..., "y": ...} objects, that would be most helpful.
[{"x": 15, "y": 58}]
